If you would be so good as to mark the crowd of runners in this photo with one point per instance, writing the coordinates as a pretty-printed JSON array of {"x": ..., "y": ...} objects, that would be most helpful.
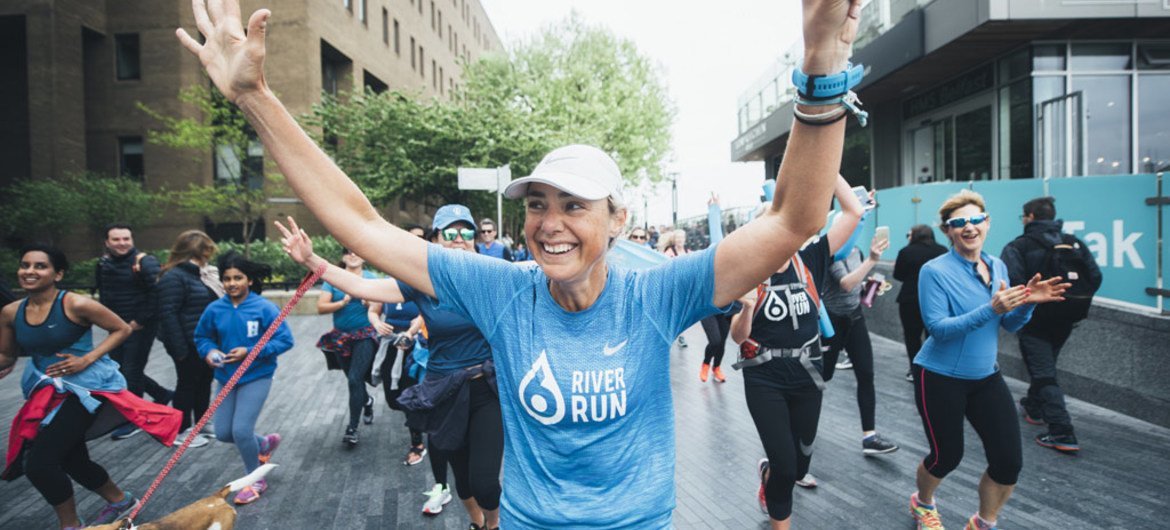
[{"x": 532, "y": 373}]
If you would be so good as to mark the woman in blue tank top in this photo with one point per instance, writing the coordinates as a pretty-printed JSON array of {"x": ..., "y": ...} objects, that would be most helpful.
[{"x": 52, "y": 327}]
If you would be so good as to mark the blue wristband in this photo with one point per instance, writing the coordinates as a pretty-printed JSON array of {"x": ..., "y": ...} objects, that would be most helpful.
[{"x": 828, "y": 86}]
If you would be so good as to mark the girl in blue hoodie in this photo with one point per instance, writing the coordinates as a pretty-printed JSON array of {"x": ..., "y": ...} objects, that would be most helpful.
[{"x": 227, "y": 331}]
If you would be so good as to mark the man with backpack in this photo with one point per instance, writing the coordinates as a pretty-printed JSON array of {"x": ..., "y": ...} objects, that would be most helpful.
[{"x": 1045, "y": 249}]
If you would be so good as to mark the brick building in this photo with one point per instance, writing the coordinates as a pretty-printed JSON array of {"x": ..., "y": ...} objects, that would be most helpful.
[{"x": 73, "y": 71}]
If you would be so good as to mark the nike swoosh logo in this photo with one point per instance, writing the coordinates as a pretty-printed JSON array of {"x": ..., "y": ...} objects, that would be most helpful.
[
  {"x": 51, "y": 326},
  {"x": 805, "y": 449},
  {"x": 608, "y": 351}
]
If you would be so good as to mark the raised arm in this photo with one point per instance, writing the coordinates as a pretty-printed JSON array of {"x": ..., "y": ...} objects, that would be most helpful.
[
  {"x": 808, "y": 173},
  {"x": 235, "y": 62},
  {"x": 299, "y": 247}
]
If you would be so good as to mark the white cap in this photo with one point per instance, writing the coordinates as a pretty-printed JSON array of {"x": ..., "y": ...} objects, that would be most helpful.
[{"x": 580, "y": 170}]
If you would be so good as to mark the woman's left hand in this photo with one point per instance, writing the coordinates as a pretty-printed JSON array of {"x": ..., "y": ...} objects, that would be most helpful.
[
  {"x": 1044, "y": 291},
  {"x": 71, "y": 364}
]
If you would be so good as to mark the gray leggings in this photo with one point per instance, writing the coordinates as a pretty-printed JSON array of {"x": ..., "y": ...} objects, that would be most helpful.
[{"x": 235, "y": 421}]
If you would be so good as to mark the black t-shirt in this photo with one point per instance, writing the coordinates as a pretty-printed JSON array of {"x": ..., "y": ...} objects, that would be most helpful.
[{"x": 786, "y": 316}]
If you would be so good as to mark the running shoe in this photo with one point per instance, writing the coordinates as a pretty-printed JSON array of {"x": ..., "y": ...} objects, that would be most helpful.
[
  {"x": 808, "y": 481},
  {"x": 1065, "y": 443},
  {"x": 438, "y": 497},
  {"x": 268, "y": 447},
  {"x": 1031, "y": 414},
  {"x": 926, "y": 517},
  {"x": 350, "y": 437},
  {"x": 368, "y": 411},
  {"x": 704, "y": 369},
  {"x": 115, "y": 510},
  {"x": 876, "y": 445},
  {"x": 844, "y": 363},
  {"x": 975, "y": 523},
  {"x": 909, "y": 377},
  {"x": 199, "y": 440},
  {"x": 251, "y": 494},
  {"x": 761, "y": 497},
  {"x": 125, "y": 431},
  {"x": 717, "y": 373}
]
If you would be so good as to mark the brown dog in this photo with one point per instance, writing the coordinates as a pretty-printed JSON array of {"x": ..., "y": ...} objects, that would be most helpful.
[{"x": 209, "y": 513}]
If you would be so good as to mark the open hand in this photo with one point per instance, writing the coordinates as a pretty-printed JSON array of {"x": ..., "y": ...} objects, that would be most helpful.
[
  {"x": 234, "y": 60},
  {"x": 1008, "y": 298},
  {"x": 69, "y": 365},
  {"x": 1044, "y": 291},
  {"x": 296, "y": 242},
  {"x": 829, "y": 29},
  {"x": 383, "y": 329}
]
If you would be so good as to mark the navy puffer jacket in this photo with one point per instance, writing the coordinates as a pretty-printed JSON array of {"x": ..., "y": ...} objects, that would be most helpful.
[{"x": 182, "y": 297}]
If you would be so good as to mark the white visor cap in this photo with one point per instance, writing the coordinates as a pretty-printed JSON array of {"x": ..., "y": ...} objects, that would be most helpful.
[{"x": 580, "y": 170}]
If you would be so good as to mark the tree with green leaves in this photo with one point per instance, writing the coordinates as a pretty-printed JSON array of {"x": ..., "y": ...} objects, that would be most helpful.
[
  {"x": 572, "y": 83},
  {"x": 49, "y": 208},
  {"x": 238, "y": 192}
]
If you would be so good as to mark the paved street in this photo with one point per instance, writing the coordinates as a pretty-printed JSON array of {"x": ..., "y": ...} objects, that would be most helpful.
[{"x": 1120, "y": 480}]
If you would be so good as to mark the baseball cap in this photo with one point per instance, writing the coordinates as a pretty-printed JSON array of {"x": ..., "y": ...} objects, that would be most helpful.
[
  {"x": 580, "y": 170},
  {"x": 452, "y": 213}
]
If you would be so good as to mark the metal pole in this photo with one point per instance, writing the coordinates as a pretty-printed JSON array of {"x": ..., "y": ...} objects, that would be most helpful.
[
  {"x": 499, "y": 203},
  {"x": 674, "y": 198}
]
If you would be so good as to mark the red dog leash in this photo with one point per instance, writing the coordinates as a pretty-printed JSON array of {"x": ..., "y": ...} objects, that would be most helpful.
[{"x": 306, "y": 283}]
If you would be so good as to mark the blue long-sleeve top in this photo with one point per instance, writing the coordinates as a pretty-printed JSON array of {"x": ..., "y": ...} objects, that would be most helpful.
[
  {"x": 956, "y": 307},
  {"x": 224, "y": 327}
]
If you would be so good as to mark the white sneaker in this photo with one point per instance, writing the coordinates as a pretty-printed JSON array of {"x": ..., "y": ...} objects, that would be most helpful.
[
  {"x": 199, "y": 441},
  {"x": 807, "y": 481},
  {"x": 436, "y": 499},
  {"x": 844, "y": 363}
]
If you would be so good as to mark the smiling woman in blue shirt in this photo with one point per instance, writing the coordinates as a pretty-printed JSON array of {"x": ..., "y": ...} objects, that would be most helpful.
[
  {"x": 965, "y": 299},
  {"x": 581, "y": 347}
]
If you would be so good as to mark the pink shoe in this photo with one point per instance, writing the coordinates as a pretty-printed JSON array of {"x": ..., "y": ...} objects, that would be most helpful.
[
  {"x": 251, "y": 494},
  {"x": 272, "y": 441}
]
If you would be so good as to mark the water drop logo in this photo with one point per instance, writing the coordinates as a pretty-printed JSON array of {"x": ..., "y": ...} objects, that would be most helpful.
[{"x": 539, "y": 393}]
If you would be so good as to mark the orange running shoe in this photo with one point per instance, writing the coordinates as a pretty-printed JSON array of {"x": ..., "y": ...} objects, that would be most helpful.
[
  {"x": 718, "y": 373},
  {"x": 703, "y": 372}
]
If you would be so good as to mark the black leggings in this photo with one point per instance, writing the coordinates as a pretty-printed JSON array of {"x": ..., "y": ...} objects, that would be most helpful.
[
  {"x": 193, "y": 388},
  {"x": 852, "y": 335},
  {"x": 987, "y": 404},
  {"x": 786, "y": 420},
  {"x": 357, "y": 367},
  {"x": 477, "y": 463},
  {"x": 913, "y": 329},
  {"x": 58, "y": 453},
  {"x": 716, "y": 327}
]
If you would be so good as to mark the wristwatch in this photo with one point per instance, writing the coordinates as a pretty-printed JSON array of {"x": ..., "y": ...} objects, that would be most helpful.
[{"x": 828, "y": 86}]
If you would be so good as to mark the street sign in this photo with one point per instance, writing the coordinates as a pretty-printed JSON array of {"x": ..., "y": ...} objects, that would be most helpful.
[{"x": 474, "y": 178}]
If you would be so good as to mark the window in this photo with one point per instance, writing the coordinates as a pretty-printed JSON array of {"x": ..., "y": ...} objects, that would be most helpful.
[
  {"x": 440, "y": 28},
  {"x": 362, "y": 11},
  {"x": 230, "y": 169},
  {"x": 128, "y": 58},
  {"x": 130, "y": 162},
  {"x": 441, "y": 77},
  {"x": 1097, "y": 56},
  {"x": 450, "y": 39},
  {"x": 1015, "y": 130},
  {"x": 385, "y": 27},
  {"x": 1048, "y": 57},
  {"x": 373, "y": 84},
  {"x": 412, "y": 65},
  {"x": 432, "y": 15},
  {"x": 422, "y": 63},
  {"x": 420, "y": 7},
  {"x": 397, "y": 41},
  {"x": 348, "y": 5},
  {"x": 434, "y": 75},
  {"x": 1153, "y": 56},
  {"x": 336, "y": 69},
  {"x": 1153, "y": 129},
  {"x": 1107, "y": 122}
]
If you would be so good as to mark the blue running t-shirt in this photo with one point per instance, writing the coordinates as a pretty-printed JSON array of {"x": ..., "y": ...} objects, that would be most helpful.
[{"x": 586, "y": 401}]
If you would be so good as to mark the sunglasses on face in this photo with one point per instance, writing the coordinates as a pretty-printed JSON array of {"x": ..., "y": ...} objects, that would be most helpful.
[
  {"x": 960, "y": 222},
  {"x": 449, "y": 234},
  {"x": 489, "y": 230},
  {"x": 641, "y": 237}
]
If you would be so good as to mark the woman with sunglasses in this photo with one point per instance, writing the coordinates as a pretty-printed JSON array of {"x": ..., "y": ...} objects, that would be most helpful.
[
  {"x": 456, "y": 402},
  {"x": 581, "y": 348},
  {"x": 965, "y": 299}
]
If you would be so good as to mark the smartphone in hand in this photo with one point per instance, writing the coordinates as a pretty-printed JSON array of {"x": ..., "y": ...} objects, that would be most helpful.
[
  {"x": 863, "y": 196},
  {"x": 881, "y": 233}
]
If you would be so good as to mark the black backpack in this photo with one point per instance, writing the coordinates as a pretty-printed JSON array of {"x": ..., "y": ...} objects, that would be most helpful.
[{"x": 1066, "y": 259}]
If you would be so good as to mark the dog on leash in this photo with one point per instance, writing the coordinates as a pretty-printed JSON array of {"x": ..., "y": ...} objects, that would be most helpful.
[{"x": 209, "y": 513}]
